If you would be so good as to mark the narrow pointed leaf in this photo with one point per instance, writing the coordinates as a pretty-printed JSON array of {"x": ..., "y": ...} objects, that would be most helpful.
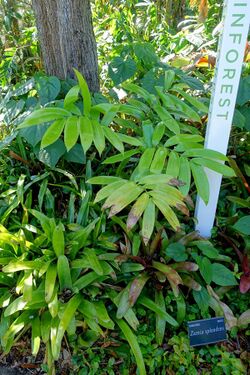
[
  {"x": 53, "y": 133},
  {"x": 148, "y": 221},
  {"x": 71, "y": 132},
  {"x": 86, "y": 132}
]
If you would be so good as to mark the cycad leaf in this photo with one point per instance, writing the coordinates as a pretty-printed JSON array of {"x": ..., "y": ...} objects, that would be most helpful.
[
  {"x": 158, "y": 162},
  {"x": 154, "y": 307},
  {"x": 108, "y": 190},
  {"x": 44, "y": 115},
  {"x": 160, "y": 322},
  {"x": 205, "y": 153}
]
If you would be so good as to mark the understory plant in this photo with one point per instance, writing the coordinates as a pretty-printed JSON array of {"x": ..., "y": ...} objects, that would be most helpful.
[{"x": 92, "y": 243}]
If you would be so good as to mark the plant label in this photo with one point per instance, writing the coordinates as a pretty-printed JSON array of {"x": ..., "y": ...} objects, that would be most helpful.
[
  {"x": 207, "y": 331},
  {"x": 236, "y": 19}
]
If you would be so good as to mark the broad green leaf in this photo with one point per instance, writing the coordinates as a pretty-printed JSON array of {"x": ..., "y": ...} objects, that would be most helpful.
[
  {"x": 93, "y": 261},
  {"x": 85, "y": 130},
  {"x": 169, "y": 79},
  {"x": 151, "y": 305},
  {"x": 215, "y": 166},
  {"x": 177, "y": 251},
  {"x": 205, "y": 267},
  {"x": 137, "y": 210},
  {"x": 173, "y": 166},
  {"x": 63, "y": 271},
  {"x": 113, "y": 138},
  {"x": 44, "y": 115},
  {"x": 85, "y": 92},
  {"x": 137, "y": 90},
  {"x": 158, "y": 162},
  {"x": 160, "y": 322},
  {"x": 120, "y": 157},
  {"x": 132, "y": 340},
  {"x": 222, "y": 276},
  {"x": 28, "y": 286},
  {"x": 98, "y": 136},
  {"x": 201, "y": 181},
  {"x": 146, "y": 160},
  {"x": 88, "y": 279},
  {"x": 71, "y": 132},
  {"x": 35, "y": 335},
  {"x": 184, "y": 175},
  {"x": 72, "y": 96},
  {"x": 120, "y": 70},
  {"x": 205, "y": 153},
  {"x": 148, "y": 221},
  {"x": 17, "y": 305},
  {"x": 53, "y": 133},
  {"x": 50, "y": 282},
  {"x": 65, "y": 320},
  {"x": 45, "y": 326},
  {"x": 58, "y": 240},
  {"x": 243, "y": 225}
]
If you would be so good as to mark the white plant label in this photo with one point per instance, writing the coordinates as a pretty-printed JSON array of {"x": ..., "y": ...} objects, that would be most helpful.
[{"x": 236, "y": 20}]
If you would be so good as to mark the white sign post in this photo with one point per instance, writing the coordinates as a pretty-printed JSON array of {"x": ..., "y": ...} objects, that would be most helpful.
[{"x": 236, "y": 20}]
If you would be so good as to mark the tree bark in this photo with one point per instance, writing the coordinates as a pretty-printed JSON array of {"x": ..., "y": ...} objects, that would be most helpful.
[{"x": 67, "y": 39}]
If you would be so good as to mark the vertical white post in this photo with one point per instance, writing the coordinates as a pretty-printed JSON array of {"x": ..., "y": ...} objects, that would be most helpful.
[{"x": 236, "y": 19}]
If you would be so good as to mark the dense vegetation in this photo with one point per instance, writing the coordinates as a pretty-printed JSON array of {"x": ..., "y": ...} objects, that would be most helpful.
[{"x": 101, "y": 267}]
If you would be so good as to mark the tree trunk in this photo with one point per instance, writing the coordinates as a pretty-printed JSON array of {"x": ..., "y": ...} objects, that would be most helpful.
[{"x": 67, "y": 39}]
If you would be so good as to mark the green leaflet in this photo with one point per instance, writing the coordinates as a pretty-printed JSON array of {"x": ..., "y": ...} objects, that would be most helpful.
[
  {"x": 215, "y": 166},
  {"x": 120, "y": 157},
  {"x": 158, "y": 162},
  {"x": 113, "y": 138},
  {"x": 108, "y": 190},
  {"x": 103, "y": 180},
  {"x": 132, "y": 340},
  {"x": 148, "y": 221},
  {"x": 85, "y": 130},
  {"x": 98, "y": 136},
  {"x": 173, "y": 166},
  {"x": 50, "y": 281},
  {"x": 129, "y": 140},
  {"x": 35, "y": 335},
  {"x": 155, "y": 179},
  {"x": 137, "y": 210},
  {"x": 167, "y": 212},
  {"x": 63, "y": 272},
  {"x": 64, "y": 322},
  {"x": 87, "y": 279},
  {"x": 85, "y": 92},
  {"x": 146, "y": 160},
  {"x": 192, "y": 100},
  {"x": 201, "y": 181},
  {"x": 58, "y": 239},
  {"x": 53, "y": 133},
  {"x": 184, "y": 175},
  {"x": 184, "y": 138},
  {"x": 173, "y": 101},
  {"x": 93, "y": 261},
  {"x": 71, "y": 132},
  {"x": 72, "y": 96},
  {"x": 167, "y": 119},
  {"x": 44, "y": 115},
  {"x": 158, "y": 133}
]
